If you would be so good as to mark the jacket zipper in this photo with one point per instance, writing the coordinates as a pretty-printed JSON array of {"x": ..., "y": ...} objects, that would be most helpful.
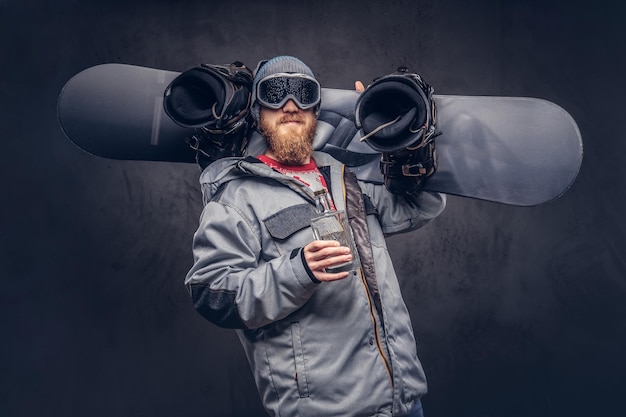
[
  {"x": 379, "y": 346},
  {"x": 381, "y": 350}
]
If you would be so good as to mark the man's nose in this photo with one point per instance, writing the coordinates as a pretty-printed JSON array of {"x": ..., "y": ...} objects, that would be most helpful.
[{"x": 290, "y": 106}]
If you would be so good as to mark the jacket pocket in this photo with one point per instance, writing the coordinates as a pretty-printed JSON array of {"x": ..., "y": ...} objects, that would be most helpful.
[
  {"x": 288, "y": 221},
  {"x": 299, "y": 361}
]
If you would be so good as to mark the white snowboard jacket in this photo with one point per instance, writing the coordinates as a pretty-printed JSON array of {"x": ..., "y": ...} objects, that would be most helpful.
[{"x": 343, "y": 348}]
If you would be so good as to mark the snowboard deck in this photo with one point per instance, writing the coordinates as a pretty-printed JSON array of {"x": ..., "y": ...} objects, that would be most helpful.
[{"x": 512, "y": 150}]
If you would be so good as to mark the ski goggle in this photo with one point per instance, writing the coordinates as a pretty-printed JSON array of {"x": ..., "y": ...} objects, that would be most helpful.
[{"x": 275, "y": 90}]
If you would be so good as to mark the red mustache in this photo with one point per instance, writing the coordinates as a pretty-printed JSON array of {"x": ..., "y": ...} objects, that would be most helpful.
[{"x": 287, "y": 119}]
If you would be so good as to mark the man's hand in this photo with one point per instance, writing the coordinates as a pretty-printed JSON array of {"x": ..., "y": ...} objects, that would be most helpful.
[
  {"x": 358, "y": 86},
  {"x": 322, "y": 254}
]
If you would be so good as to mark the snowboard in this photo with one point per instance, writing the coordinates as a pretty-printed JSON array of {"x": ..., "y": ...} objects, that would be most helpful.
[{"x": 513, "y": 150}]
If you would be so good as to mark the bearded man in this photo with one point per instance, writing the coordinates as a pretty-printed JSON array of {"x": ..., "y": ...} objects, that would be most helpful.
[{"x": 319, "y": 343}]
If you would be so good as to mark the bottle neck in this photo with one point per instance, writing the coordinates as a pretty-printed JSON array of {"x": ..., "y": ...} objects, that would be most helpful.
[{"x": 322, "y": 202}]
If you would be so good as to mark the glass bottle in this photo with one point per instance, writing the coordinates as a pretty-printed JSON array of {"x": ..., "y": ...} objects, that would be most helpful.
[{"x": 333, "y": 224}]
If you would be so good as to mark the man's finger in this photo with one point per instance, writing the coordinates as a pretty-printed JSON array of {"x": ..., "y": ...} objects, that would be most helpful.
[
  {"x": 326, "y": 276},
  {"x": 312, "y": 255},
  {"x": 318, "y": 245}
]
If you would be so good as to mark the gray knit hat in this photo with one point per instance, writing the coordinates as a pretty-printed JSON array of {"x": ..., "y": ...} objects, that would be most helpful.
[{"x": 284, "y": 63}]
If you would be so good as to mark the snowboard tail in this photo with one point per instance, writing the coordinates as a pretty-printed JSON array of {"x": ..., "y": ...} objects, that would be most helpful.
[{"x": 116, "y": 111}]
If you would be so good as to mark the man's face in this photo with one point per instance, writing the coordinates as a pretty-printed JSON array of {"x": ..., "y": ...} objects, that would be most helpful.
[{"x": 289, "y": 133}]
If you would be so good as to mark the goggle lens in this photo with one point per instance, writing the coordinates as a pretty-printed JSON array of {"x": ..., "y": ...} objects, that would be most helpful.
[{"x": 274, "y": 91}]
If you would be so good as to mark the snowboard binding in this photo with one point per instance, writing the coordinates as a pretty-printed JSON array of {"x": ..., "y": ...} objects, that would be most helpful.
[
  {"x": 396, "y": 115},
  {"x": 215, "y": 101}
]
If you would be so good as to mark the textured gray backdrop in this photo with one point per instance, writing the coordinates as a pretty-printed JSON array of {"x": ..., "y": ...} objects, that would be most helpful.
[{"x": 518, "y": 311}]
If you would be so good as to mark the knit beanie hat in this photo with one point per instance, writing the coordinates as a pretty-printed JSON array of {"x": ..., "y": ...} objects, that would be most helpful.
[{"x": 284, "y": 63}]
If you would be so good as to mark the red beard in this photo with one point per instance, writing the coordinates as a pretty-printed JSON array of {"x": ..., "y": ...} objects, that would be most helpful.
[{"x": 290, "y": 144}]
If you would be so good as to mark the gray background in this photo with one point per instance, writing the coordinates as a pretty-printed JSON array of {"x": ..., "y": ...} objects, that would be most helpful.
[{"x": 518, "y": 311}]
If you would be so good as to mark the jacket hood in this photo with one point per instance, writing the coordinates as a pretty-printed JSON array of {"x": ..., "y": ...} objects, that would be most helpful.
[{"x": 225, "y": 170}]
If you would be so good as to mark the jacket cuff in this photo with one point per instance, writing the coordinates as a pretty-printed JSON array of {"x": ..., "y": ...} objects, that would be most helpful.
[{"x": 294, "y": 253}]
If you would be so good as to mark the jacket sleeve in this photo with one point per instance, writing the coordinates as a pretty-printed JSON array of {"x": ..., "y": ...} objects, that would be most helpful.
[
  {"x": 400, "y": 213},
  {"x": 230, "y": 286}
]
